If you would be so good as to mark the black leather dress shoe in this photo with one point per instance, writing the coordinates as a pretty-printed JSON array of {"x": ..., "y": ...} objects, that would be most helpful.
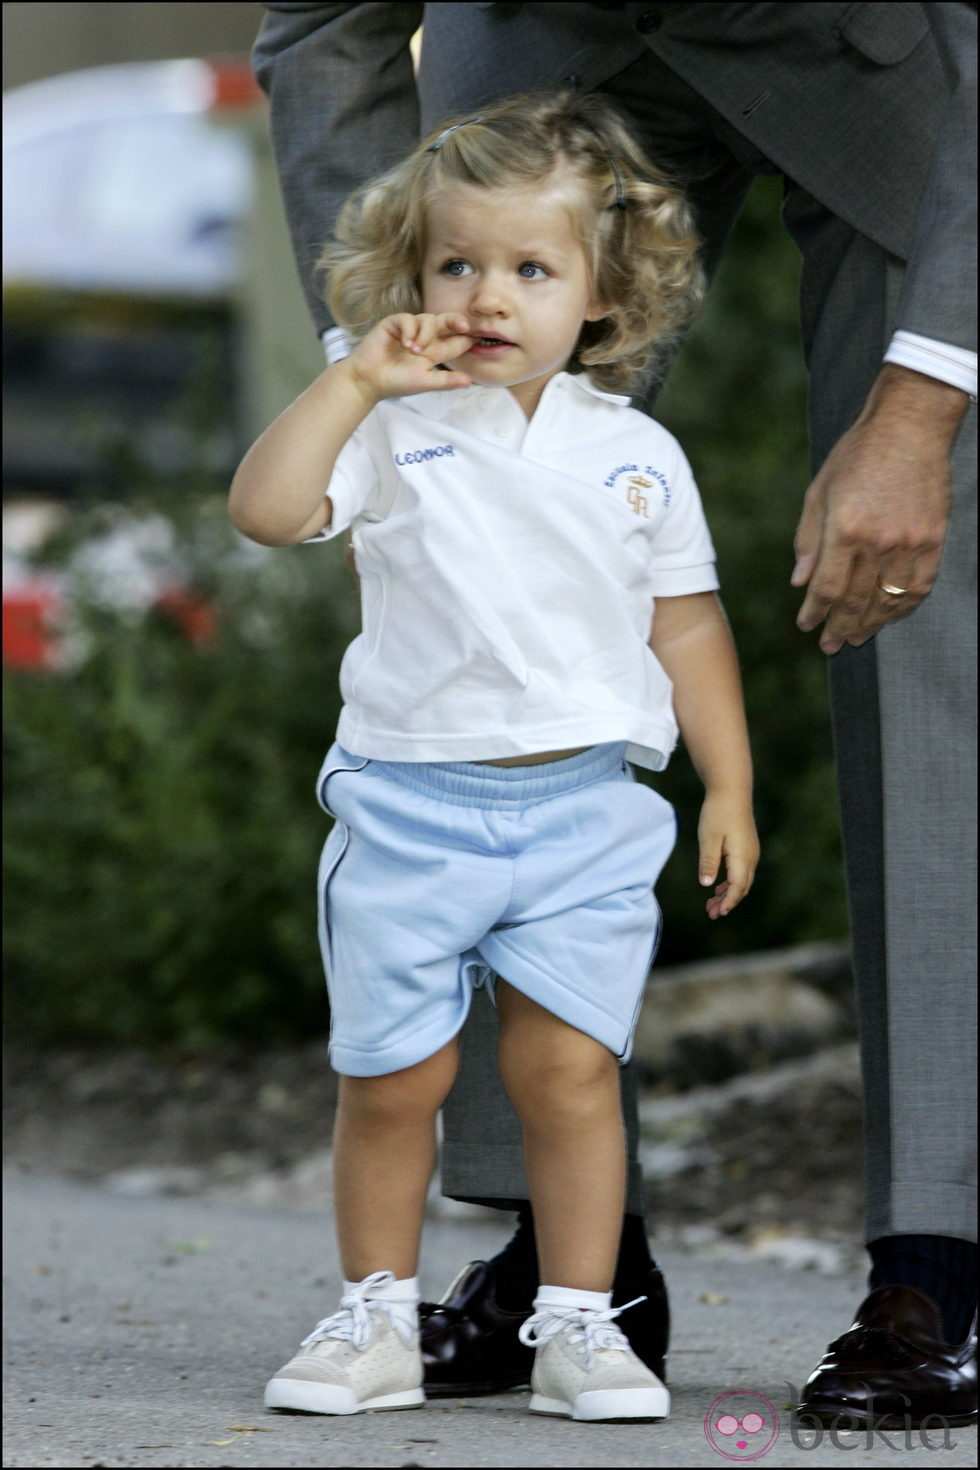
[
  {"x": 647, "y": 1325},
  {"x": 470, "y": 1344},
  {"x": 892, "y": 1368}
]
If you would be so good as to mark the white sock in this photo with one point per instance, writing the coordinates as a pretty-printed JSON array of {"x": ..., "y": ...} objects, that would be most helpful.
[
  {"x": 569, "y": 1298},
  {"x": 402, "y": 1296}
]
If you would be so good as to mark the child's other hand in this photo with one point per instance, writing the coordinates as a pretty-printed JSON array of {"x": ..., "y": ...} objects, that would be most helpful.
[
  {"x": 726, "y": 834},
  {"x": 402, "y": 354}
]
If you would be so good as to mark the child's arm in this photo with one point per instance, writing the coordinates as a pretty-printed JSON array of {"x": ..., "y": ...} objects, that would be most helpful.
[
  {"x": 692, "y": 641},
  {"x": 278, "y": 492}
]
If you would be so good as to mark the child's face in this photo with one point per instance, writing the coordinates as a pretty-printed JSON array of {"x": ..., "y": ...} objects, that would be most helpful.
[{"x": 511, "y": 263}]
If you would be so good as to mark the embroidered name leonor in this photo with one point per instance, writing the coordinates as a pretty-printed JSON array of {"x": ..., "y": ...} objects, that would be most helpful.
[{"x": 416, "y": 456}]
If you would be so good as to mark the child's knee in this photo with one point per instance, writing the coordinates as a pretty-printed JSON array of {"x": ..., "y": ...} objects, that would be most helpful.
[
  {"x": 576, "y": 1080},
  {"x": 405, "y": 1098}
]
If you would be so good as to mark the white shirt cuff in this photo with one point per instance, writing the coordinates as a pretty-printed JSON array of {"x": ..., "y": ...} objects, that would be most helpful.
[
  {"x": 954, "y": 365},
  {"x": 335, "y": 345}
]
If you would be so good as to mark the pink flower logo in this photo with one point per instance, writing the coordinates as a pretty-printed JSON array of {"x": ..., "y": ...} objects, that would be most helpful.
[{"x": 741, "y": 1425}]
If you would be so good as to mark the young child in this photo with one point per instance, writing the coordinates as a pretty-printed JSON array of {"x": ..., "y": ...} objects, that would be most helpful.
[{"x": 539, "y": 609}]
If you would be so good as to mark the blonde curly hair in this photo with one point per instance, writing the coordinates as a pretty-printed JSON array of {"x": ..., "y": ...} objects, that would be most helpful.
[{"x": 636, "y": 228}]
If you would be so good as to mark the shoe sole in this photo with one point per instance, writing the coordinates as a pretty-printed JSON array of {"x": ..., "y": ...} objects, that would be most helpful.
[
  {"x": 327, "y": 1398},
  {"x": 849, "y": 1418},
  {"x": 609, "y": 1405}
]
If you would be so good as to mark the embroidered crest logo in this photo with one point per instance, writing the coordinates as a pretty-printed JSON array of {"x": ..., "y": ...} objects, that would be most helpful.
[
  {"x": 639, "y": 479},
  {"x": 635, "y": 498}
]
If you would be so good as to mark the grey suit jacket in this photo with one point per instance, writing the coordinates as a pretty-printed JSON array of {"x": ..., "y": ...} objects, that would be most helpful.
[{"x": 870, "y": 108}]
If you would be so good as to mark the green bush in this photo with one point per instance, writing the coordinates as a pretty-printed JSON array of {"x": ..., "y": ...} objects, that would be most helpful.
[
  {"x": 161, "y": 829},
  {"x": 162, "y": 833}
]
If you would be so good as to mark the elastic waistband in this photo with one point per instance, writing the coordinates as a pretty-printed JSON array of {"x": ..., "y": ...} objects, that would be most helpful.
[{"x": 465, "y": 783}]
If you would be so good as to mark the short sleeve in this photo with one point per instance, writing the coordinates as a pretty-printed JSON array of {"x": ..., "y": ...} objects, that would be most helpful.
[
  {"x": 683, "y": 555},
  {"x": 355, "y": 484}
]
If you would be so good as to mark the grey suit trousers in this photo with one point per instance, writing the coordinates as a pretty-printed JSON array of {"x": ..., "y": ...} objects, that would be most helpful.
[{"x": 905, "y": 738}]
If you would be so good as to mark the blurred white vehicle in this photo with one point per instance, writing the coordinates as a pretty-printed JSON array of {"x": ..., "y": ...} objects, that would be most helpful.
[
  {"x": 125, "y": 194},
  {"x": 117, "y": 179}
]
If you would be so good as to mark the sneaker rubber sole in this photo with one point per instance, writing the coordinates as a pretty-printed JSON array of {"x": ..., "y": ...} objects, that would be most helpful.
[
  {"x": 607, "y": 1404},
  {"x": 304, "y": 1397}
]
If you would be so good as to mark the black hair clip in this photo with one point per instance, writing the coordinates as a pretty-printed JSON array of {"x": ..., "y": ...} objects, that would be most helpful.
[
  {"x": 434, "y": 147},
  {"x": 620, "y": 201}
]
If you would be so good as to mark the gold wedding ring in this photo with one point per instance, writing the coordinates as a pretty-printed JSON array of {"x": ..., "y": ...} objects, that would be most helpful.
[{"x": 892, "y": 591}]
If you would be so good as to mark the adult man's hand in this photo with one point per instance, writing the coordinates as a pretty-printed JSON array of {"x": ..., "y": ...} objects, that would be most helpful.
[{"x": 875, "y": 517}]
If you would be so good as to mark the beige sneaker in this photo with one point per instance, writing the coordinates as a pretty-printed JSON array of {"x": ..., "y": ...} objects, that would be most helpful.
[
  {"x": 584, "y": 1368},
  {"x": 363, "y": 1357}
]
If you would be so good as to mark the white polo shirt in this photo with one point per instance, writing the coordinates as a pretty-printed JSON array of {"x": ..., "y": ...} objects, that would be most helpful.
[{"x": 508, "y": 574}]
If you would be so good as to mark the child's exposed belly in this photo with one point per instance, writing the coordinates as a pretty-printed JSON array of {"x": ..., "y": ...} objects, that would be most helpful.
[{"x": 537, "y": 759}]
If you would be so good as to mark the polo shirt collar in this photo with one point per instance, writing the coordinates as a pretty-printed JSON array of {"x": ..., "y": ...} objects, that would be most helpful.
[
  {"x": 455, "y": 400},
  {"x": 584, "y": 384}
]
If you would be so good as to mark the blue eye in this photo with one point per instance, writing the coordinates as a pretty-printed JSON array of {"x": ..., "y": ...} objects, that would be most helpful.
[
  {"x": 529, "y": 266},
  {"x": 456, "y": 268}
]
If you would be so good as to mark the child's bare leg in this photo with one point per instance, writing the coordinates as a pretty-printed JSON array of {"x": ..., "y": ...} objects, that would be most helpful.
[
  {"x": 565, "y": 1089},
  {"x": 384, "y": 1154}
]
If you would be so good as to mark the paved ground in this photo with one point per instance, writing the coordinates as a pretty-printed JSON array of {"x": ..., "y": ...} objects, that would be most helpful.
[{"x": 140, "y": 1332}]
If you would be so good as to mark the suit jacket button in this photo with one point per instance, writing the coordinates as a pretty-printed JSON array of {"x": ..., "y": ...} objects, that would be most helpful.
[
  {"x": 573, "y": 81},
  {"x": 648, "y": 21}
]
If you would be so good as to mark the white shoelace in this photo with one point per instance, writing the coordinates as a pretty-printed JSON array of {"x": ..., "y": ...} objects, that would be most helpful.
[
  {"x": 594, "y": 1330},
  {"x": 353, "y": 1322}
]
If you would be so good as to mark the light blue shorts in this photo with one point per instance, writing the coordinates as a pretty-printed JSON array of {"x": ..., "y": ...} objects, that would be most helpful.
[{"x": 436, "y": 878}]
